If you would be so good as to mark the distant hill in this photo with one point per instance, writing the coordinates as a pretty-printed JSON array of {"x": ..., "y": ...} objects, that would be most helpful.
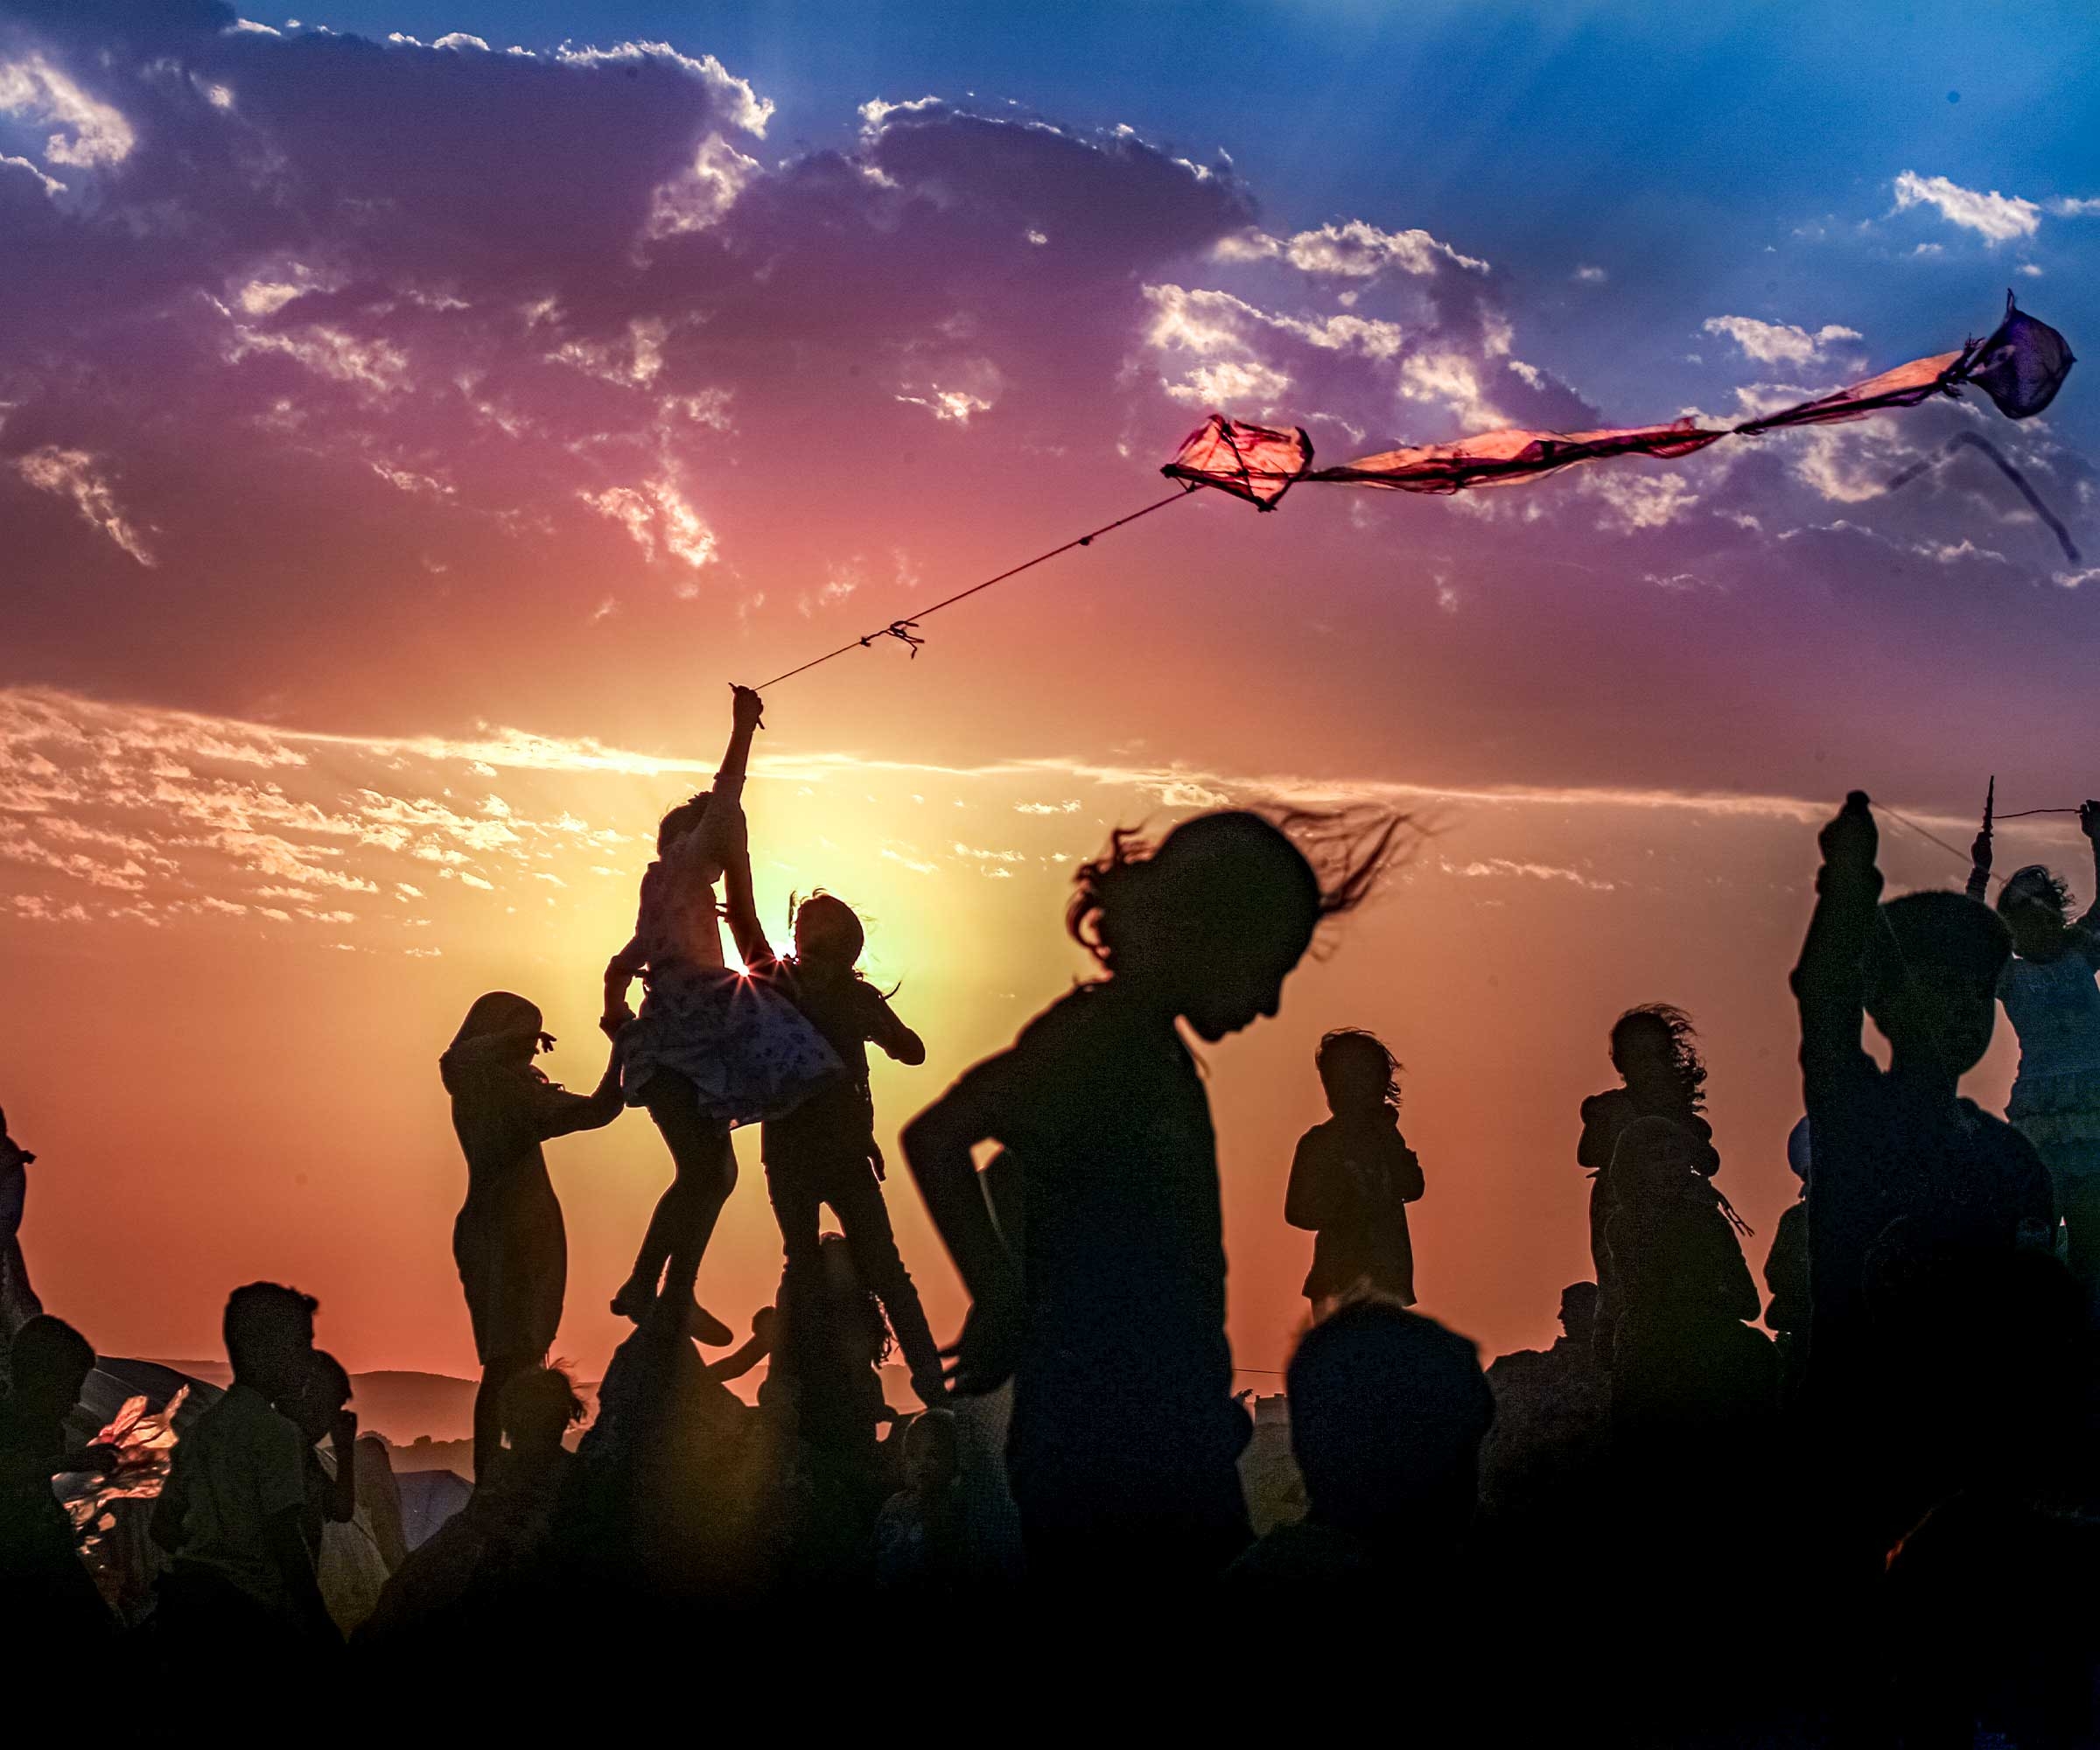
[{"x": 400, "y": 1405}]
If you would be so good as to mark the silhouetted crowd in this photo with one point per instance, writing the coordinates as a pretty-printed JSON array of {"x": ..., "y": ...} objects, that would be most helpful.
[{"x": 1859, "y": 1508}]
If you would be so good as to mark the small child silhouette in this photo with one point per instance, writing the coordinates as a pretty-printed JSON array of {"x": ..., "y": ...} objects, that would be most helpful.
[{"x": 1354, "y": 1176}]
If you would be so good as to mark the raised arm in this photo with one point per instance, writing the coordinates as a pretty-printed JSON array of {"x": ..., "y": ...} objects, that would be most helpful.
[
  {"x": 1829, "y": 981},
  {"x": 1979, "y": 861},
  {"x": 2088, "y": 925},
  {"x": 746, "y": 715}
]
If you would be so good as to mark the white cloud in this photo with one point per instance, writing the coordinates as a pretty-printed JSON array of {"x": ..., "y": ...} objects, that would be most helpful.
[
  {"x": 1995, "y": 217},
  {"x": 746, "y": 108},
  {"x": 1591, "y": 276},
  {"x": 1351, "y": 251},
  {"x": 52, "y": 187},
  {"x": 73, "y": 473},
  {"x": 2074, "y": 208},
  {"x": 701, "y": 194},
  {"x": 1778, "y": 343},
  {"x": 89, "y": 133}
]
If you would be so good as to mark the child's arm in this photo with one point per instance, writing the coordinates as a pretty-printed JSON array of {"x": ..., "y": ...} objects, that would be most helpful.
[
  {"x": 746, "y": 711},
  {"x": 755, "y": 1348},
  {"x": 1306, "y": 1202},
  {"x": 561, "y": 1113},
  {"x": 741, "y": 908},
  {"x": 1979, "y": 863},
  {"x": 895, "y": 1038},
  {"x": 342, "y": 1486},
  {"x": 1830, "y": 982},
  {"x": 2089, "y": 925},
  {"x": 621, "y": 971},
  {"x": 938, "y": 1146},
  {"x": 1408, "y": 1183}
]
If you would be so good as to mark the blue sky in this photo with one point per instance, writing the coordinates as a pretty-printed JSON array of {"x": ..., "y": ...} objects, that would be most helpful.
[{"x": 1728, "y": 152}]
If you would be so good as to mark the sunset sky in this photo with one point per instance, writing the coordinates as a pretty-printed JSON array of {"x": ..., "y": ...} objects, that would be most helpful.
[{"x": 413, "y": 413}]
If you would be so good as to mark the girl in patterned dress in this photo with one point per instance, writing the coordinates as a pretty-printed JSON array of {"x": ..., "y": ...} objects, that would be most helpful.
[{"x": 712, "y": 1048}]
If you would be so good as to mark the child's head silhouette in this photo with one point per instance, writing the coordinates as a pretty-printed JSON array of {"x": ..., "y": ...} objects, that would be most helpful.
[
  {"x": 539, "y": 1406},
  {"x": 503, "y": 1015},
  {"x": 681, "y": 820},
  {"x": 1357, "y": 1070},
  {"x": 930, "y": 1457},
  {"x": 1933, "y": 990},
  {"x": 1387, "y": 1412},
  {"x": 1654, "y": 1049},
  {"x": 269, "y": 1332},
  {"x": 2034, "y": 903},
  {"x": 1217, "y": 914},
  {"x": 318, "y": 1396},
  {"x": 1654, "y": 1155},
  {"x": 827, "y": 932},
  {"x": 50, "y": 1363}
]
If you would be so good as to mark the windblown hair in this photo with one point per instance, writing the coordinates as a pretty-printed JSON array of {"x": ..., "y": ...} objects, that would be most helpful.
[
  {"x": 681, "y": 819},
  {"x": 2035, "y": 883},
  {"x": 1339, "y": 1045},
  {"x": 1673, "y": 1028},
  {"x": 1233, "y": 874},
  {"x": 540, "y": 1397}
]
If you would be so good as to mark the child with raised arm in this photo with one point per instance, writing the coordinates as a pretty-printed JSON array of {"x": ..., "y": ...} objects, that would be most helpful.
[
  {"x": 2051, "y": 999},
  {"x": 1123, "y": 1448},
  {"x": 824, "y": 1151},
  {"x": 710, "y": 1048},
  {"x": 1354, "y": 1176},
  {"x": 508, "y": 1239},
  {"x": 1911, "y": 1182}
]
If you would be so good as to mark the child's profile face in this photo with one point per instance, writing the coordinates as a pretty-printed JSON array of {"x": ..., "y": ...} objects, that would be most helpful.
[{"x": 1238, "y": 987}]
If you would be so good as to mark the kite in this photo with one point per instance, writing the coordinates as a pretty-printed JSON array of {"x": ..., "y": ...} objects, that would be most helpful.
[{"x": 2020, "y": 366}]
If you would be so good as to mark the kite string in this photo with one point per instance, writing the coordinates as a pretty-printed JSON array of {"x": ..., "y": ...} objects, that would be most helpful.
[{"x": 901, "y": 629}]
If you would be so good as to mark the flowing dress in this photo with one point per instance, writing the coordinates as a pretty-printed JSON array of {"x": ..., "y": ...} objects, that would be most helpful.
[{"x": 747, "y": 1050}]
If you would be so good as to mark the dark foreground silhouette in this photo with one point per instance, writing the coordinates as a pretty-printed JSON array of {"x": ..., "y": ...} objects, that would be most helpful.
[{"x": 1664, "y": 1529}]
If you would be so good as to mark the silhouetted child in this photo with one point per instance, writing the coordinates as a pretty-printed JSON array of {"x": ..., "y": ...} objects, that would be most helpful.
[
  {"x": 1686, "y": 1366},
  {"x": 1903, "y": 1166},
  {"x": 1787, "y": 1272},
  {"x": 712, "y": 1048},
  {"x": 919, "y": 1538},
  {"x": 508, "y": 1239},
  {"x": 1354, "y": 1176},
  {"x": 318, "y": 1405},
  {"x": 1656, "y": 1054},
  {"x": 18, "y": 1302},
  {"x": 824, "y": 1151},
  {"x": 2051, "y": 999},
  {"x": 349, "y": 1565},
  {"x": 1122, "y": 1450},
  {"x": 232, "y": 1513},
  {"x": 489, "y": 1548},
  {"x": 1552, "y": 1414},
  {"x": 47, "y": 1596},
  {"x": 1387, "y": 1412}
]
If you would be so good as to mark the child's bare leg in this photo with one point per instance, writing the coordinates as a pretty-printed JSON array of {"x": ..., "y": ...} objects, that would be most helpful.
[{"x": 704, "y": 1174}]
